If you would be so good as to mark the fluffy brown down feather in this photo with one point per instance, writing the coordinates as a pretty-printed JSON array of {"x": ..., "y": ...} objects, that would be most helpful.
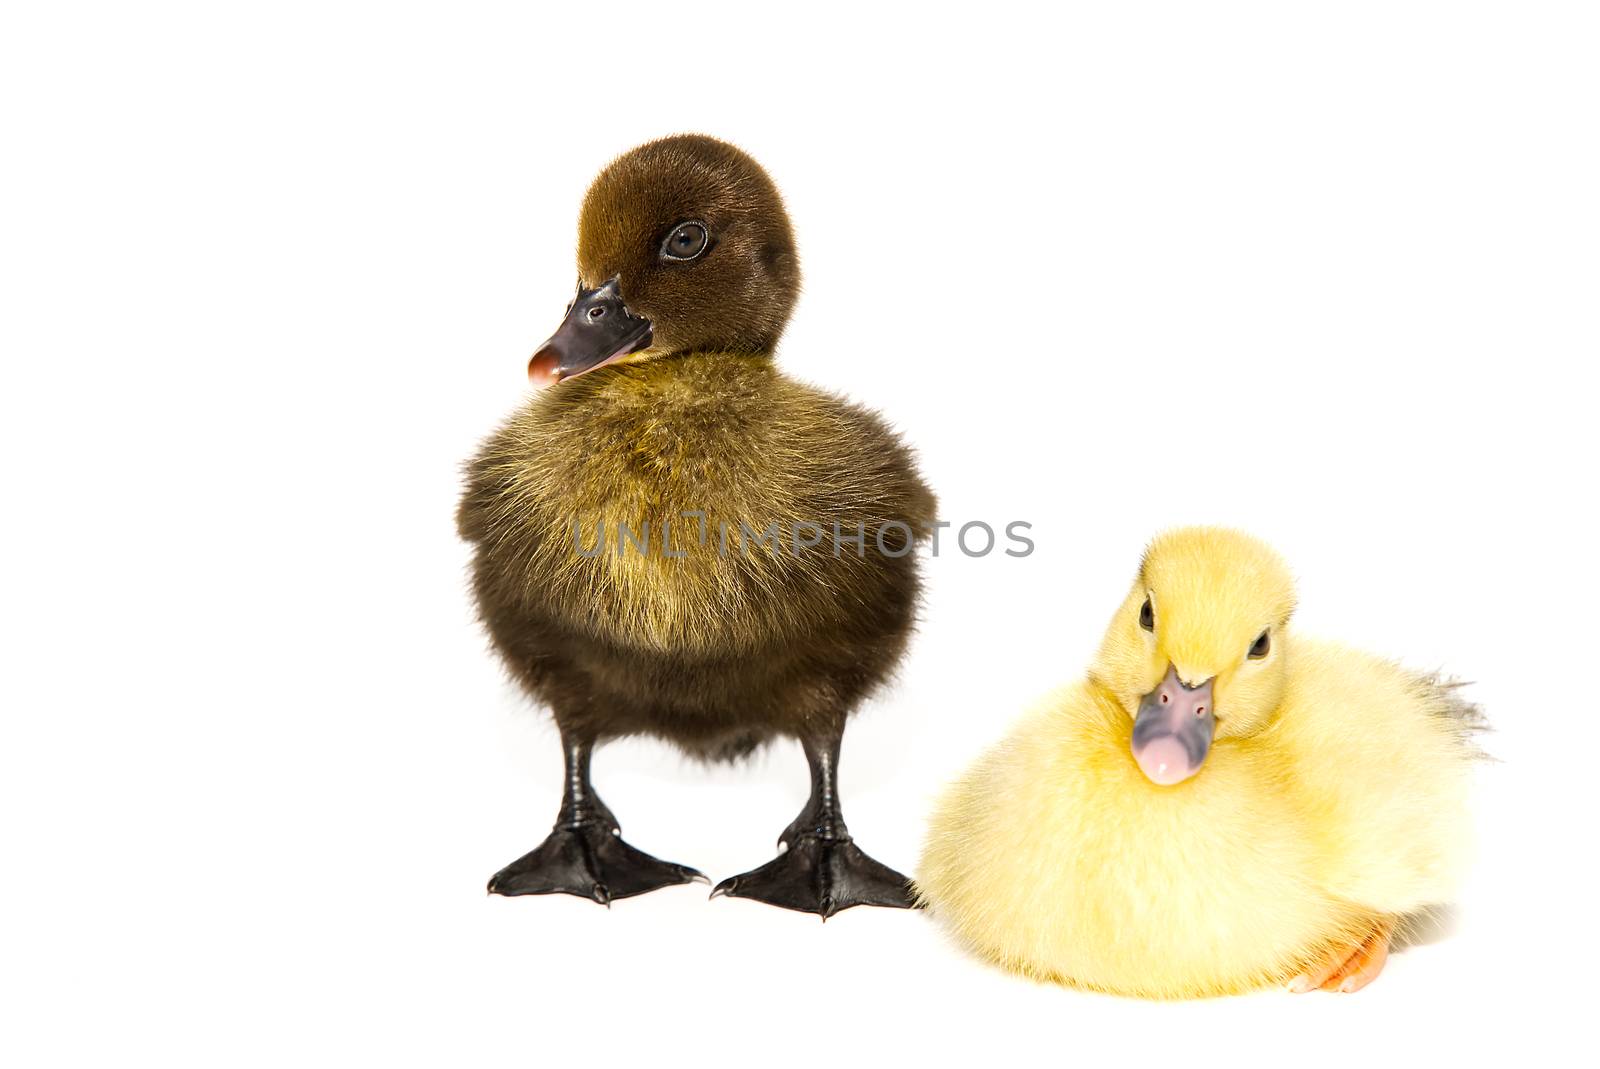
[{"x": 719, "y": 649}]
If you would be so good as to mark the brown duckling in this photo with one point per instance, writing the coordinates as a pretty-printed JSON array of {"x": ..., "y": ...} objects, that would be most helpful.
[{"x": 674, "y": 539}]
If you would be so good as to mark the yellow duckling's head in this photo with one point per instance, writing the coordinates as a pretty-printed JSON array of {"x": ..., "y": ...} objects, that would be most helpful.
[
  {"x": 1196, "y": 653},
  {"x": 683, "y": 246}
]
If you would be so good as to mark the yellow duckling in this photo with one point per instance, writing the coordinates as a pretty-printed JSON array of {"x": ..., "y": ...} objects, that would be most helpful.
[{"x": 1221, "y": 805}]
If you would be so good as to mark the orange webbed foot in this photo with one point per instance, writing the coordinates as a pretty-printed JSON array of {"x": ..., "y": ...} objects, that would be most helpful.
[{"x": 1352, "y": 971}]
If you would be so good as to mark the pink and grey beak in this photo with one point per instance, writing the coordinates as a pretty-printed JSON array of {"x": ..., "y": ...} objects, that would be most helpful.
[
  {"x": 598, "y": 329},
  {"x": 1172, "y": 733}
]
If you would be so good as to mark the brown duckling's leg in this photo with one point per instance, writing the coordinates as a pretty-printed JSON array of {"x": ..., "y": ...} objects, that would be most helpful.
[
  {"x": 820, "y": 870},
  {"x": 1354, "y": 970},
  {"x": 584, "y": 854}
]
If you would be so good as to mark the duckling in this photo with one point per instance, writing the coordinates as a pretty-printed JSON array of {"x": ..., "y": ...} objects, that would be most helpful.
[
  {"x": 673, "y": 539},
  {"x": 1220, "y": 805}
]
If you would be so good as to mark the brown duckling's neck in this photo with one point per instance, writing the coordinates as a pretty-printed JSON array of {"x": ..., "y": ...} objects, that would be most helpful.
[{"x": 693, "y": 380}]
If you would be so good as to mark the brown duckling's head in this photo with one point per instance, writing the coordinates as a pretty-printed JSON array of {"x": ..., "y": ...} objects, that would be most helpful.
[{"x": 683, "y": 247}]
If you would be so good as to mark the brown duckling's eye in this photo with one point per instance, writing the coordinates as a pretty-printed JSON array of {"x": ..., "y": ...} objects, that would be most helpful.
[
  {"x": 1259, "y": 648},
  {"x": 686, "y": 242},
  {"x": 1147, "y": 616}
]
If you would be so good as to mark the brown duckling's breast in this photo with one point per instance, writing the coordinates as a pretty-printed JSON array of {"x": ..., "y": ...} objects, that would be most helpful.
[{"x": 655, "y": 508}]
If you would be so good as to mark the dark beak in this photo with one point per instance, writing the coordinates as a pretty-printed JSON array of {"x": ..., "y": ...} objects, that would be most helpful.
[
  {"x": 1172, "y": 733},
  {"x": 598, "y": 329}
]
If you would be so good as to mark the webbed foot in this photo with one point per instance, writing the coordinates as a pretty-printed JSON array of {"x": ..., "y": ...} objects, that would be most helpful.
[
  {"x": 589, "y": 860},
  {"x": 821, "y": 876},
  {"x": 1352, "y": 970}
]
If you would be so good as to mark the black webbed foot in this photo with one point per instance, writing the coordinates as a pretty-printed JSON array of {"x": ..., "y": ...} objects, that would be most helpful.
[
  {"x": 821, "y": 870},
  {"x": 589, "y": 860},
  {"x": 821, "y": 876},
  {"x": 584, "y": 854}
]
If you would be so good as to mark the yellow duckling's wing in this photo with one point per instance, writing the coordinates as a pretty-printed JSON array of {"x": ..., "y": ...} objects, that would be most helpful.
[{"x": 1381, "y": 765}]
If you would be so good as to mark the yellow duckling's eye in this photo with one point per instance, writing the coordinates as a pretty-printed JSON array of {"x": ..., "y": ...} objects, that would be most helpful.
[
  {"x": 1259, "y": 648},
  {"x": 1147, "y": 616},
  {"x": 686, "y": 242}
]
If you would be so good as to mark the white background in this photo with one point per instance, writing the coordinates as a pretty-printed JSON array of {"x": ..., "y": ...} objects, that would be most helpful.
[{"x": 1326, "y": 274}]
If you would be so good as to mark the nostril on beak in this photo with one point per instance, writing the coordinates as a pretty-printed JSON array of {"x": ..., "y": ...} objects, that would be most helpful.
[
  {"x": 1199, "y": 710},
  {"x": 597, "y": 312}
]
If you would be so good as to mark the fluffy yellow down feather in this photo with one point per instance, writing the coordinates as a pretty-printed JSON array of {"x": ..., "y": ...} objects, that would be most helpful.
[{"x": 1332, "y": 801}]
